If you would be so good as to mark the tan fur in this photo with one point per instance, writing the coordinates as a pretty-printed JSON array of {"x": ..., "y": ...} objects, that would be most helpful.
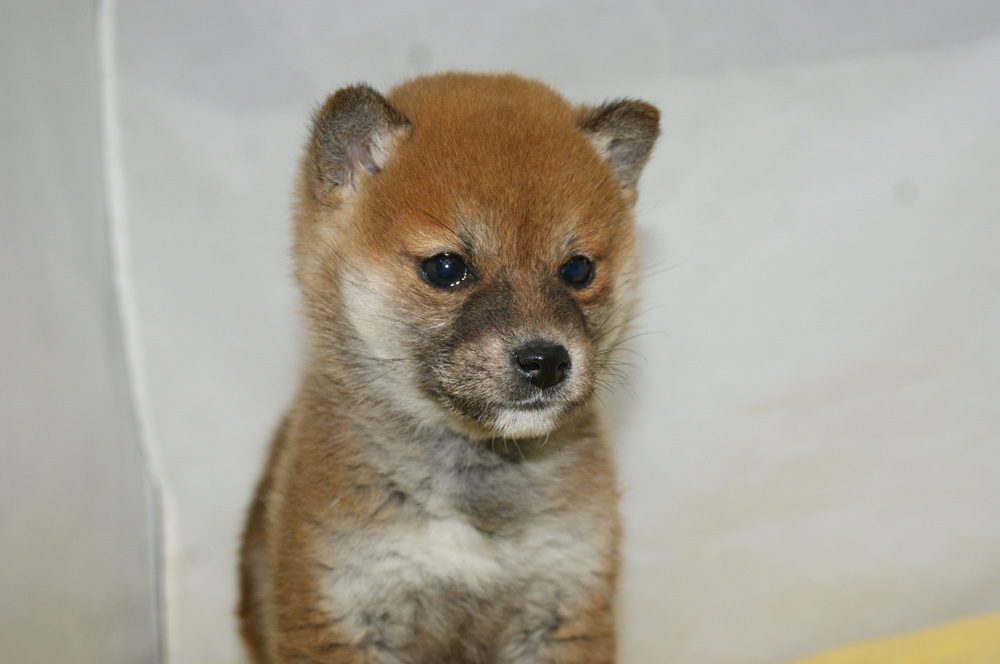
[{"x": 424, "y": 500}]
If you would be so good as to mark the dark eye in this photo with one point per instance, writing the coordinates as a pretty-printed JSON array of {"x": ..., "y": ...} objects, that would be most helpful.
[
  {"x": 444, "y": 270},
  {"x": 578, "y": 272}
]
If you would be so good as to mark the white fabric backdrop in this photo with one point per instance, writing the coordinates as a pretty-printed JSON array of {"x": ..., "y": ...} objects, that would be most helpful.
[
  {"x": 811, "y": 446},
  {"x": 77, "y": 515}
]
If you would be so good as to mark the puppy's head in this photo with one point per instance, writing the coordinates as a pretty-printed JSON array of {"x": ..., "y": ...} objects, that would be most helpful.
[{"x": 466, "y": 247}]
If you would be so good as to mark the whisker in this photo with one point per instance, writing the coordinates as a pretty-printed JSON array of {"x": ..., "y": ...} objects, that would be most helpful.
[{"x": 433, "y": 218}]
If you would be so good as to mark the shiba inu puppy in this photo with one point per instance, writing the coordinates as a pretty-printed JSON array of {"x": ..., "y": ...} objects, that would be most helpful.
[{"x": 441, "y": 490}]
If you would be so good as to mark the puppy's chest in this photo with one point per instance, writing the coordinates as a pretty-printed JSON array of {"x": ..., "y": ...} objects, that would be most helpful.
[
  {"x": 417, "y": 584},
  {"x": 441, "y": 587}
]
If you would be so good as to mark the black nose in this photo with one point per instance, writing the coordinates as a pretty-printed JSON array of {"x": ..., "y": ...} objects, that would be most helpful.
[{"x": 543, "y": 364}]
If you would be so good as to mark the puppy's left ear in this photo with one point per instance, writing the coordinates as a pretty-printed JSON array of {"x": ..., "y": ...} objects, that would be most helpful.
[{"x": 623, "y": 133}]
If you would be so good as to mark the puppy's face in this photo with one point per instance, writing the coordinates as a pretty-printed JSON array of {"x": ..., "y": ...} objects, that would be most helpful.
[
  {"x": 474, "y": 266},
  {"x": 502, "y": 322}
]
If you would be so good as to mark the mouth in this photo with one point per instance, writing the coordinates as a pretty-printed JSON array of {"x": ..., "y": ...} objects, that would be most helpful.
[
  {"x": 488, "y": 398},
  {"x": 531, "y": 417},
  {"x": 535, "y": 402}
]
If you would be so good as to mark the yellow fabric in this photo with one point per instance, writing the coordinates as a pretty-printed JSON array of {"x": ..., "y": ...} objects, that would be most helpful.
[{"x": 975, "y": 641}]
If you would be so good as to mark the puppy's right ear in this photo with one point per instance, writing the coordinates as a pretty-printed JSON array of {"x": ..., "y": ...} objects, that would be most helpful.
[{"x": 353, "y": 135}]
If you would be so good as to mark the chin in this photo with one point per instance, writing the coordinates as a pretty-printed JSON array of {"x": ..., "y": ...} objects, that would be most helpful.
[{"x": 523, "y": 423}]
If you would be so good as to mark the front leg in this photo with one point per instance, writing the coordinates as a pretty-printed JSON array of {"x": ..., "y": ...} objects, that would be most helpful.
[
  {"x": 584, "y": 635},
  {"x": 303, "y": 635},
  {"x": 302, "y": 628},
  {"x": 333, "y": 607}
]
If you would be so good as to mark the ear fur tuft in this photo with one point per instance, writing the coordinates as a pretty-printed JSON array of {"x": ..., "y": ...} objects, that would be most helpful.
[
  {"x": 623, "y": 133},
  {"x": 353, "y": 132}
]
